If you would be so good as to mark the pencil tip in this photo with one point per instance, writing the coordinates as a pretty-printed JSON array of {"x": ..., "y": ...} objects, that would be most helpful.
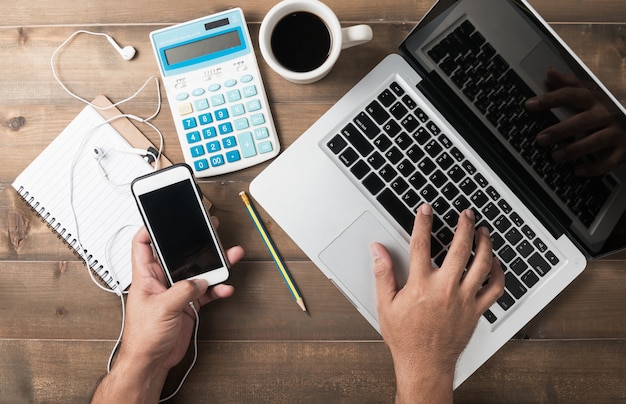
[{"x": 301, "y": 304}]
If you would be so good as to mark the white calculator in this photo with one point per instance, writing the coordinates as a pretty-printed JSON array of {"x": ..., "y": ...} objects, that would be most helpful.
[{"x": 216, "y": 94}]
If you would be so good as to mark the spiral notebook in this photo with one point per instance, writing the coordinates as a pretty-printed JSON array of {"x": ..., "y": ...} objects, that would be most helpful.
[{"x": 104, "y": 217}]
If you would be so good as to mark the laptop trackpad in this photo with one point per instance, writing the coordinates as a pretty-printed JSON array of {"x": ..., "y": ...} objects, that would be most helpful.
[{"x": 348, "y": 257}]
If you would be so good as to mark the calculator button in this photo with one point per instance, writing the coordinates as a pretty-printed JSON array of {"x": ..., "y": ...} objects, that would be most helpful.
[
  {"x": 197, "y": 151},
  {"x": 193, "y": 137},
  {"x": 265, "y": 147},
  {"x": 233, "y": 95},
  {"x": 185, "y": 109},
  {"x": 247, "y": 144},
  {"x": 261, "y": 133},
  {"x": 217, "y": 160},
  {"x": 208, "y": 133},
  {"x": 221, "y": 114},
  {"x": 237, "y": 110},
  {"x": 213, "y": 147},
  {"x": 225, "y": 128},
  {"x": 197, "y": 92},
  {"x": 229, "y": 142},
  {"x": 254, "y": 105},
  {"x": 218, "y": 100},
  {"x": 201, "y": 104},
  {"x": 246, "y": 78},
  {"x": 241, "y": 124},
  {"x": 233, "y": 156},
  {"x": 201, "y": 165},
  {"x": 189, "y": 123},
  {"x": 249, "y": 91},
  {"x": 230, "y": 83},
  {"x": 214, "y": 87},
  {"x": 205, "y": 118},
  {"x": 258, "y": 119},
  {"x": 182, "y": 96}
]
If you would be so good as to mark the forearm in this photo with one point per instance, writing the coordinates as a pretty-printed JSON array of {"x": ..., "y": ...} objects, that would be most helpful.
[
  {"x": 417, "y": 383},
  {"x": 130, "y": 382}
]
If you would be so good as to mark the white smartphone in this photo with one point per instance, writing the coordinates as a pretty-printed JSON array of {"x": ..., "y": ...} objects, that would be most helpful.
[{"x": 180, "y": 228}]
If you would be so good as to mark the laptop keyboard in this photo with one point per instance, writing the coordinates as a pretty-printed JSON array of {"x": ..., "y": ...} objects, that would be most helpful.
[
  {"x": 487, "y": 81},
  {"x": 403, "y": 159}
]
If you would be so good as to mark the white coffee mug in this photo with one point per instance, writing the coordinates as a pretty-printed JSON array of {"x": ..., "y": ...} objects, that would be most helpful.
[{"x": 311, "y": 70}]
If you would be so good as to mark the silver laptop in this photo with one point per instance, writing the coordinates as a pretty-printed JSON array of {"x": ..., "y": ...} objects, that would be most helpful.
[{"x": 444, "y": 122}]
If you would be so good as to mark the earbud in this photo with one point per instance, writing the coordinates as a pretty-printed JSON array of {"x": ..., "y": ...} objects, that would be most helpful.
[
  {"x": 127, "y": 53},
  {"x": 150, "y": 154},
  {"x": 97, "y": 153}
]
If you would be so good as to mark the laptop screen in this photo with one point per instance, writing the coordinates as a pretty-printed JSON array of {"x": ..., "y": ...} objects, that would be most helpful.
[{"x": 547, "y": 126}]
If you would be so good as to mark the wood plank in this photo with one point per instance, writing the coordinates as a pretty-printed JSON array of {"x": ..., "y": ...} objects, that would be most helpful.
[
  {"x": 314, "y": 372},
  {"x": 26, "y": 59},
  {"x": 160, "y": 11},
  {"x": 263, "y": 309}
]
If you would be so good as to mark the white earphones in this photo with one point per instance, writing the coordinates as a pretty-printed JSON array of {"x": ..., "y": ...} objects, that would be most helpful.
[{"x": 127, "y": 53}]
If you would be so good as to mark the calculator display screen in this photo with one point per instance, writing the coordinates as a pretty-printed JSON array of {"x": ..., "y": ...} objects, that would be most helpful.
[{"x": 203, "y": 47}]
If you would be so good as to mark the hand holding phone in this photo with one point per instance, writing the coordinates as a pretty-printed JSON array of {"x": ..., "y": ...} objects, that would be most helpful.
[{"x": 179, "y": 226}]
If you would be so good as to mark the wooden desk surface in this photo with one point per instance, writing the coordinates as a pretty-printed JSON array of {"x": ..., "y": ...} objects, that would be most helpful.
[{"x": 57, "y": 329}]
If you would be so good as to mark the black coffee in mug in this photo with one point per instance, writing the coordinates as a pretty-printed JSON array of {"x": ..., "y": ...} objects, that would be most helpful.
[{"x": 301, "y": 42}]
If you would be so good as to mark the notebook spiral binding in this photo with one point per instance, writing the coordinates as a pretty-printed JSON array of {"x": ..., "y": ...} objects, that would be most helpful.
[{"x": 66, "y": 237}]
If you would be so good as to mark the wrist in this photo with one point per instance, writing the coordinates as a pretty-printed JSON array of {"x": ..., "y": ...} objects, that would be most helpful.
[
  {"x": 423, "y": 382},
  {"x": 131, "y": 381}
]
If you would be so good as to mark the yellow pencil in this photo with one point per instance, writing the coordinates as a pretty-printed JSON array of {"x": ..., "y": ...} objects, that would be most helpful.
[{"x": 270, "y": 246}]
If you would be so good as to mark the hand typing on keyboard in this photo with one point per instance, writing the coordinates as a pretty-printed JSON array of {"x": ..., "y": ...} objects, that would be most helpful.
[
  {"x": 429, "y": 321},
  {"x": 592, "y": 132}
]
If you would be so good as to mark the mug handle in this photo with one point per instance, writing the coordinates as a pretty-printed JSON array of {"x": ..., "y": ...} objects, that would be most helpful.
[{"x": 355, "y": 35}]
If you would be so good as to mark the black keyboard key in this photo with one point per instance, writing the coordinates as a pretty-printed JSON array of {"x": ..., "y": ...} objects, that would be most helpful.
[
  {"x": 398, "y": 110},
  {"x": 495, "y": 195},
  {"x": 421, "y": 115},
  {"x": 513, "y": 236},
  {"x": 461, "y": 203},
  {"x": 411, "y": 198},
  {"x": 444, "y": 161},
  {"x": 383, "y": 143},
  {"x": 426, "y": 166},
  {"x": 469, "y": 167},
  {"x": 481, "y": 180},
  {"x": 336, "y": 144},
  {"x": 451, "y": 218},
  {"x": 377, "y": 112},
  {"x": 397, "y": 210},
  {"x": 403, "y": 141},
  {"x": 456, "y": 153},
  {"x": 513, "y": 285},
  {"x": 392, "y": 128},
  {"x": 388, "y": 173},
  {"x": 539, "y": 264},
  {"x": 362, "y": 145},
  {"x": 445, "y": 236},
  {"x": 519, "y": 222},
  {"x": 479, "y": 199},
  {"x": 506, "y": 301},
  {"x": 376, "y": 160},
  {"x": 518, "y": 266},
  {"x": 490, "y": 316},
  {"x": 552, "y": 258},
  {"x": 415, "y": 153},
  {"x": 348, "y": 157},
  {"x": 502, "y": 224},
  {"x": 450, "y": 191},
  {"x": 406, "y": 168},
  {"x": 417, "y": 180},
  {"x": 491, "y": 211},
  {"x": 409, "y": 102},
  {"x": 496, "y": 241},
  {"x": 456, "y": 174},
  {"x": 438, "y": 178},
  {"x": 433, "y": 128},
  {"x": 360, "y": 169},
  {"x": 422, "y": 136},
  {"x": 468, "y": 186},
  {"x": 428, "y": 193},
  {"x": 506, "y": 208},
  {"x": 525, "y": 248},
  {"x": 440, "y": 206},
  {"x": 386, "y": 98},
  {"x": 530, "y": 279},
  {"x": 373, "y": 183},
  {"x": 366, "y": 125},
  {"x": 507, "y": 254},
  {"x": 394, "y": 155},
  {"x": 399, "y": 186},
  {"x": 410, "y": 123},
  {"x": 397, "y": 89},
  {"x": 433, "y": 148},
  {"x": 540, "y": 245}
]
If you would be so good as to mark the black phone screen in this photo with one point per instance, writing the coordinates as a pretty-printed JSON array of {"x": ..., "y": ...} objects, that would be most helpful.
[{"x": 180, "y": 230}]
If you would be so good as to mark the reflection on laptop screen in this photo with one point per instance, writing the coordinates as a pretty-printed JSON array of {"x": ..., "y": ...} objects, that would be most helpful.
[{"x": 491, "y": 57}]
